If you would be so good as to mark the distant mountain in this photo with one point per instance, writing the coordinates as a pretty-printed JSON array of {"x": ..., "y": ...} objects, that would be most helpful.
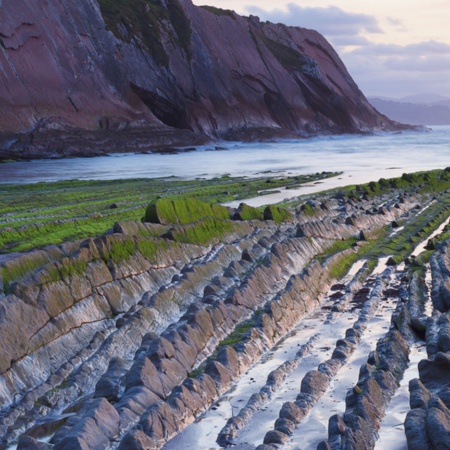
[
  {"x": 425, "y": 99},
  {"x": 435, "y": 111}
]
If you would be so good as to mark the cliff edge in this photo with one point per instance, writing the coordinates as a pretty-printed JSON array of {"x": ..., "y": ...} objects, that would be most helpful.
[{"x": 108, "y": 75}]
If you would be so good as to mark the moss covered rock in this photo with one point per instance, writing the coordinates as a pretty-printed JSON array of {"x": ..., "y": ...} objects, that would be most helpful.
[
  {"x": 277, "y": 214},
  {"x": 245, "y": 212},
  {"x": 182, "y": 211}
]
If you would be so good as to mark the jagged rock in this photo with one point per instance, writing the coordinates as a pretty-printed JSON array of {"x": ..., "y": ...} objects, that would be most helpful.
[
  {"x": 285, "y": 426},
  {"x": 419, "y": 395},
  {"x": 416, "y": 431},
  {"x": 29, "y": 443},
  {"x": 144, "y": 373},
  {"x": 343, "y": 349},
  {"x": 108, "y": 385},
  {"x": 444, "y": 395},
  {"x": 229, "y": 358},
  {"x": 292, "y": 412},
  {"x": 438, "y": 424},
  {"x": 314, "y": 383},
  {"x": 219, "y": 373},
  {"x": 275, "y": 437},
  {"x": 137, "y": 440},
  {"x": 435, "y": 373},
  {"x": 137, "y": 399},
  {"x": 98, "y": 424}
]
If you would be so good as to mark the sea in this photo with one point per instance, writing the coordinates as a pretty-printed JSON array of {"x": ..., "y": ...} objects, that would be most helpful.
[{"x": 360, "y": 158}]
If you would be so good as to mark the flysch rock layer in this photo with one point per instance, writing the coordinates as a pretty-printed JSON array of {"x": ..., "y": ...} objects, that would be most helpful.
[
  {"x": 129, "y": 355},
  {"x": 427, "y": 424},
  {"x": 92, "y": 76}
]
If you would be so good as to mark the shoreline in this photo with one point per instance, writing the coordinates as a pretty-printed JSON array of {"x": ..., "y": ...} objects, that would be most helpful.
[{"x": 93, "y": 143}]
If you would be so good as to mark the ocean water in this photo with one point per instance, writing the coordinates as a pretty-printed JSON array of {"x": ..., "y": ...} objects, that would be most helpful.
[{"x": 360, "y": 158}]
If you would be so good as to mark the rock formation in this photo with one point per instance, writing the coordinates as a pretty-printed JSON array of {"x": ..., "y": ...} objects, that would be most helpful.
[
  {"x": 123, "y": 341},
  {"x": 92, "y": 76}
]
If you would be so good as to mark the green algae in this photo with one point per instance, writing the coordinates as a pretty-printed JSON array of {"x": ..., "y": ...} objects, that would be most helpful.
[{"x": 35, "y": 215}]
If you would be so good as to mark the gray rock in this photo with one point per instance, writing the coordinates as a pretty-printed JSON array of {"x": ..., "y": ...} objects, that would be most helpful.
[
  {"x": 160, "y": 423},
  {"x": 229, "y": 358},
  {"x": 292, "y": 412},
  {"x": 108, "y": 385},
  {"x": 159, "y": 349},
  {"x": 435, "y": 373},
  {"x": 94, "y": 427},
  {"x": 284, "y": 425},
  {"x": 137, "y": 440},
  {"x": 219, "y": 373},
  {"x": 144, "y": 373},
  {"x": 29, "y": 443},
  {"x": 275, "y": 437},
  {"x": 314, "y": 383},
  {"x": 416, "y": 431},
  {"x": 444, "y": 395},
  {"x": 438, "y": 424},
  {"x": 137, "y": 399},
  {"x": 419, "y": 395}
]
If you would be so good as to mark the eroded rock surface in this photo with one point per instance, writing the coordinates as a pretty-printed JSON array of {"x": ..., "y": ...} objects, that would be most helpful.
[{"x": 103, "y": 349}]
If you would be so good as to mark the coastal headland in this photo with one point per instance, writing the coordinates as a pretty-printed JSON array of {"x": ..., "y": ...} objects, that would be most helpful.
[{"x": 104, "y": 76}]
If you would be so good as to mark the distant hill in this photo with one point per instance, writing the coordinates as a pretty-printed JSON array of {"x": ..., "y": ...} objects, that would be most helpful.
[
  {"x": 415, "y": 110},
  {"x": 425, "y": 99}
]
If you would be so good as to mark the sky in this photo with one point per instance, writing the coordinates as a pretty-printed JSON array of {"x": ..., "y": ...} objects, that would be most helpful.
[{"x": 392, "y": 48}]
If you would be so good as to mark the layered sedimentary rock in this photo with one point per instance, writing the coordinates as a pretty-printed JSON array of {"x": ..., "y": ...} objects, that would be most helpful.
[
  {"x": 116, "y": 76},
  {"x": 126, "y": 349}
]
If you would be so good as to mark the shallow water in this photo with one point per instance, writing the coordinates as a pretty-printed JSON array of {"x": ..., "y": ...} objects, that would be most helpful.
[{"x": 361, "y": 158}]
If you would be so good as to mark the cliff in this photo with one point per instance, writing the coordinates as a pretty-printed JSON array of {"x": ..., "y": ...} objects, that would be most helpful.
[{"x": 117, "y": 75}]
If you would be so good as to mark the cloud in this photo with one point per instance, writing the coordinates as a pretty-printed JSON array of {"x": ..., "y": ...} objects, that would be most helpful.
[
  {"x": 330, "y": 21},
  {"x": 400, "y": 70},
  {"x": 425, "y": 57}
]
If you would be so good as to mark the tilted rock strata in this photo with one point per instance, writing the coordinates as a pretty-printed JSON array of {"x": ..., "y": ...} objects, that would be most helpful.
[
  {"x": 427, "y": 424},
  {"x": 152, "y": 321},
  {"x": 164, "y": 73}
]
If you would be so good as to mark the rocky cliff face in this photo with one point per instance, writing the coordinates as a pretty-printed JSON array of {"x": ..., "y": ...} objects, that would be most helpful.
[{"x": 164, "y": 72}]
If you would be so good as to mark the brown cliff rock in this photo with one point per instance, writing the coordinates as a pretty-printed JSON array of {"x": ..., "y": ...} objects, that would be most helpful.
[{"x": 85, "y": 77}]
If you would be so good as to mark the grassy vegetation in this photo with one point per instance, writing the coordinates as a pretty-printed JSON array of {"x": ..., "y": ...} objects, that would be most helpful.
[
  {"x": 18, "y": 270},
  {"x": 246, "y": 212},
  {"x": 203, "y": 232},
  {"x": 289, "y": 58},
  {"x": 277, "y": 214},
  {"x": 426, "y": 182},
  {"x": 240, "y": 330},
  {"x": 220, "y": 11},
  {"x": 183, "y": 211},
  {"x": 415, "y": 231},
  {"x": 35, "y": 215}
]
